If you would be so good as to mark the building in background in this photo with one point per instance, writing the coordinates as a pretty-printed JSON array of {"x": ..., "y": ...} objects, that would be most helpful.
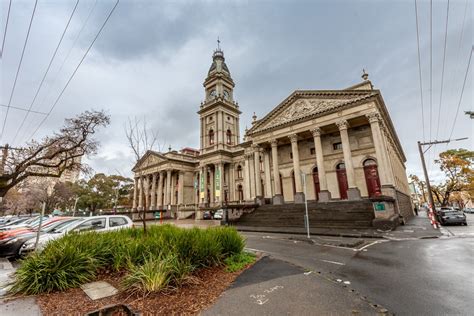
[{"x": 342, "y": 142}]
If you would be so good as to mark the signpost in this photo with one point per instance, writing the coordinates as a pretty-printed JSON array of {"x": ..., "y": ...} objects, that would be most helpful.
[{"x": 303, "y": 176}]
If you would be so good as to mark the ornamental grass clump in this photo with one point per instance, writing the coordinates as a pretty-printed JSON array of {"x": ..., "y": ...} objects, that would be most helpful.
[{"x": 164, "y": 256}]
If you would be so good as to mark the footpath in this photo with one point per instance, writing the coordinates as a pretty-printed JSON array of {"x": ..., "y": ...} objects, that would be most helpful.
[{"x": 418, "y": 227}]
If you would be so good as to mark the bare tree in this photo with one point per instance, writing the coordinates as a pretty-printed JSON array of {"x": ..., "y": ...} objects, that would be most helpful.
[
  {"x": 141, "y": 140},
  {"x": 54, "y": 155}
]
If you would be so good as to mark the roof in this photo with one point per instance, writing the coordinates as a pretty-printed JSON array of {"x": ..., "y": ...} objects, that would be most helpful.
[{"x": 304, "y": 104}]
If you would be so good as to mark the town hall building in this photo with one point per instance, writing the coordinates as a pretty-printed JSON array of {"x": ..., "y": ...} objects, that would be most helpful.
[{"x": 335, "y": 145}]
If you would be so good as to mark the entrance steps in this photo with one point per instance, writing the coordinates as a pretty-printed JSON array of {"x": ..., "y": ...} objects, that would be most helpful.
[{"x": 340, "y": 214}]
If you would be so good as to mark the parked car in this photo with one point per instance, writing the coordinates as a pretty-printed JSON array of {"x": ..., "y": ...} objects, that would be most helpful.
[
  {"x": 206, "y": 215},
  {"x": 454, "y": 216},
  {"x": 10, "y": 246},
  {"x": 469, "y": 210},
  {"x": 95, "y": 223},
  {"x": 219, "y": 214}
]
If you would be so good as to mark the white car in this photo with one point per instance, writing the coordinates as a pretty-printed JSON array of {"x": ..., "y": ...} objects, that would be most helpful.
[
  {"x": 95, "y": 223},
  {"x": 219, "y": 214}
]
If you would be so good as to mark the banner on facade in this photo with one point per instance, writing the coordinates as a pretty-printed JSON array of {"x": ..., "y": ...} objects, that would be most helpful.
[
  {"x": 218, "y": 182},
  {"x": 202, "y": 187}
]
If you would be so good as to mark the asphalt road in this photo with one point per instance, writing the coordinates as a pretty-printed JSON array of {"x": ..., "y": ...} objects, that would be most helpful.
[{"x": 409, "y": 277}]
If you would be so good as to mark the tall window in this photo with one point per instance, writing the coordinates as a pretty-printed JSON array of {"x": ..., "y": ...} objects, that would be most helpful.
[
  {"x": 229, "y": 137},
  {"x": 211, "y": 137},
  {"x": 239, "y": 172}
]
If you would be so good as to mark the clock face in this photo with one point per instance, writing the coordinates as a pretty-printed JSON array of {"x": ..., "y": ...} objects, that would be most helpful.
[
  {"x": 212, "y": 93},
  {"x": 226, "y": 95}
]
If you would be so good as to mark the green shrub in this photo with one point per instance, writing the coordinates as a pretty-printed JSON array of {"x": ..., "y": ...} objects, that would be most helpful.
[
  {"x": 238, "y": 261},
  {"x": 77, "y": 258},
  {"x": 155, "y": 274}
]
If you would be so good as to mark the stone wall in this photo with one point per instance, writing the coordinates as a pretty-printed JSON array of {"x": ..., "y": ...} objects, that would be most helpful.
[{"x": 404, "y": 205}]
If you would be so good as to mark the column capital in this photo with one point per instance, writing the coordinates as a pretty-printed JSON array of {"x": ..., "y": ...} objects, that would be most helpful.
[
  {"x": 274, "y": 142},
  {"x": 342, "y": 125},
  {"x": 373, "y": 117},
  {"x": 255, "y": 147},
  {"x": 316, "y": 131},
  {"x": 293, "y": 138}
]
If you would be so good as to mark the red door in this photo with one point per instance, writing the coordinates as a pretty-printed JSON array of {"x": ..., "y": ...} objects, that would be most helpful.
[
  {"x": 342, "y": 181},
  {"x": 316, "y": 184},
  {"x": 372, "y": 180}
]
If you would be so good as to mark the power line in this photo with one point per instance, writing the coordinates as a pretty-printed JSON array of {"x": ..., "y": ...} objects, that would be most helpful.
[
  {"x": 47, "y": 71},
  {"x": 18, "y": 70},
  {"x": 462, "y": 92},
  {"x": 419, "y": 70},
  {"x": 67, "y": 55},
  {"x": 6, "y": 27},
  {"x": 22, "y": 109},
  {"x": 75, "y": 70},
  {"x": 442, "y": 72}
]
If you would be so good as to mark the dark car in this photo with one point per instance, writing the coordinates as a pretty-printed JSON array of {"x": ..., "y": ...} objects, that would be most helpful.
[
  {"x": 207, "y": 215},
  {"x": 10, "y": 247},
  {"x": 452, "y": 217}
]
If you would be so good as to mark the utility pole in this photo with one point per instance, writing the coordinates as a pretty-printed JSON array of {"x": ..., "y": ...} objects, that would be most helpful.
[{"x": 420, "y": 148}]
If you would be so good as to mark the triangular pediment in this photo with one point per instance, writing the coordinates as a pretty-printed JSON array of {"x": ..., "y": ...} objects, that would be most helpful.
[
  {"x": 301, "y": 105},
  {"x": 150, "y": 158}
]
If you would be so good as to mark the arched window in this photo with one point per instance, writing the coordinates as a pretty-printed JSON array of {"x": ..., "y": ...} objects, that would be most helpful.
[
  {"x": 240, "y": 190},
  {"x": 211, "y": 137},
  {"x": 229, "y": 137},
  {"x": 239, "y": 172},
  {"x": 369, "y": 162}
]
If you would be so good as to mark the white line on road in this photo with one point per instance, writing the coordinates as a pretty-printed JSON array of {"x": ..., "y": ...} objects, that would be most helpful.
[
  {"x": 371, "y": 244},
  {"x": 334, "y": 262}
]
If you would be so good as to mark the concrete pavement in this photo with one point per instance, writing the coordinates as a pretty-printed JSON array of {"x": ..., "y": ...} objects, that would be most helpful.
[{"x": 275, "y": 287}]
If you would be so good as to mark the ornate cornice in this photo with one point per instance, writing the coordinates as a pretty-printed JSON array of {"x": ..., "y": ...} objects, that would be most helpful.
[
  {"x": 316, "y": 131},
  {"x": 293, "y": 138},
  {"x": 342, "y": 125},
  {"x": 373, "y": 117}
]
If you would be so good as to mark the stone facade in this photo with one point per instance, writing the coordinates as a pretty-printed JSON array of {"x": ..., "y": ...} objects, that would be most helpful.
[{"x": 332, "y": 144}]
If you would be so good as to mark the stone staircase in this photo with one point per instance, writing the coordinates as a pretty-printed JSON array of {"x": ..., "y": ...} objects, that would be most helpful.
[{"x": 340, "y": 214}]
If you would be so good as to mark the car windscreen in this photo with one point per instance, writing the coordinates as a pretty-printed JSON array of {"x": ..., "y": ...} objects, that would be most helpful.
[
  {"x": 58, "y": 225},
  {"x": 67, "y": 226}
]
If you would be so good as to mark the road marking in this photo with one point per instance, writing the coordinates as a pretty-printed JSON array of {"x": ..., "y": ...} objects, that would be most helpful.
[
  {"x": 334, "y": 262},
  {"x": 371, "y": 244}
]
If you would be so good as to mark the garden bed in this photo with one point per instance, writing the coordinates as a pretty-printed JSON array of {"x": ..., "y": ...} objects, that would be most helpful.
[
  {"x": 167, "y": 270},
  {"x": 189, "y": 299}
]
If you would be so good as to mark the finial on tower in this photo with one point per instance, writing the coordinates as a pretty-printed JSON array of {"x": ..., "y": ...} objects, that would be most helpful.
[
  {"x": 218, "y": 43},
  {"x": 169, "y": 148},
  {"x": 365, "y": 75}
]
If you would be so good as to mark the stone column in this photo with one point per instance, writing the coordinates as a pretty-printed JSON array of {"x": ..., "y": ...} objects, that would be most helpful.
[
  {"x": 353, "y": 192},
  {"x": 180, "y": 188},
  {"x": 146, "y": 183},
  {"x": 206, "y": 185},
  {"x": 153, "y": 192},
  {"x": 278, "y": 196},
  {"x": 140, "y": 193},
  {"x": 324, "y": 194},
  {"x": 247, "y": 194},
  {"x": 382, "y": 166},
  {"x": 299, "y": 195},
  {"x": 168, "y": 188},
  {"x": 252, "y": 177},
  {"x": 173, "y": 189},
  {"x": 160, "y": 191},
  {"x": 231, "y": 182},
  {"x": 258, "y": 175},
  {"x": 135, "y": 195},
  {"x": 219, "y": 182},
  {"x": 268, "y": 177}
]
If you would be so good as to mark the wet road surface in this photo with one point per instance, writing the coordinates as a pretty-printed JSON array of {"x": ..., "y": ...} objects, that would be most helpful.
[{"x": 409, "y": 277}]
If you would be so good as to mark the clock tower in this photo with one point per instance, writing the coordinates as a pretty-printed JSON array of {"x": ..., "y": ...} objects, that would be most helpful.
[{"x": 219, "y": 113}]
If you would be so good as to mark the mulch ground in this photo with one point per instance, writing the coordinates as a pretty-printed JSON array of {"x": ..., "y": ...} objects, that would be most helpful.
[{"x": 200, "y": 292}]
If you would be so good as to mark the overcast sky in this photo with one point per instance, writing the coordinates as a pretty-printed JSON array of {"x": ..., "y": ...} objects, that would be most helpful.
[{"x": 152, "y": 57}]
